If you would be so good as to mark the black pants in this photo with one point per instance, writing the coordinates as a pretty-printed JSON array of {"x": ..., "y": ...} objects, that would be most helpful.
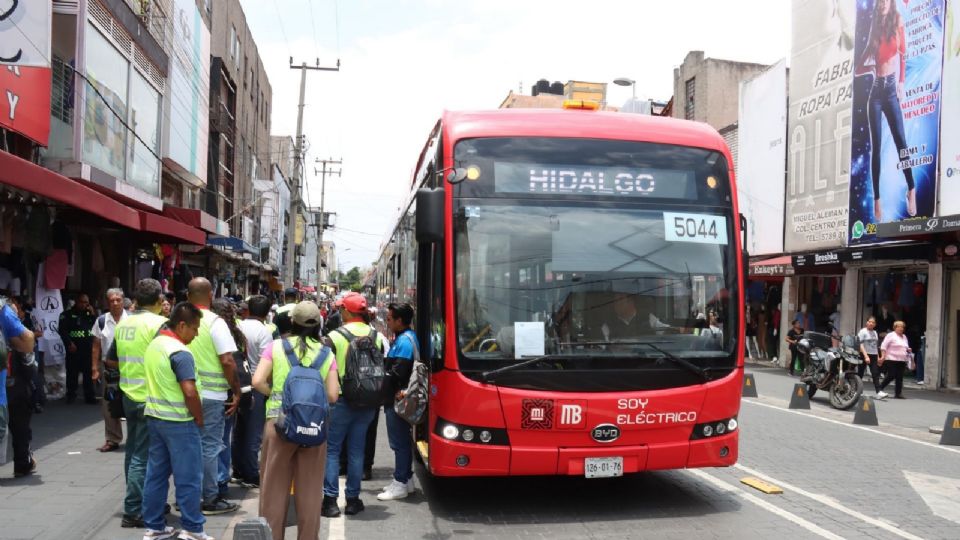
[
  {"x": 874, "y": 371},
  {"x": 77, "y": 364},
  {"x": 20, "y": 405},
  {"x": 894, "y": 373}
]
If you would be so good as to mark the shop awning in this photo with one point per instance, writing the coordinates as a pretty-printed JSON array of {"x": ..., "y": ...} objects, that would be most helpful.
[
  {"x": 192, "y": 217},
  {"x": 31, "y": 178},
  {"x": 230, "y": 242},
  {"x": 171, "y": 230},
  {"x": 775, "y": 267}
]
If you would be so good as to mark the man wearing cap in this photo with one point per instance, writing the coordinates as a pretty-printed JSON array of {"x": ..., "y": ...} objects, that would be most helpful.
[
  {"x": 347, "y": 424},
  {"x": 213, "y": 352},
  {"x": 282, "y": 318}
]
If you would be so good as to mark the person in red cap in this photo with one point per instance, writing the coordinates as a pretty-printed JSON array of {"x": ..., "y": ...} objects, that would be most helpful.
[{"x": 347, "y": 423}]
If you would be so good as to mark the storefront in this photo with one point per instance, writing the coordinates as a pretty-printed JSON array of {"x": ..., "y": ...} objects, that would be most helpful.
[{"x": 763, "y": 305}]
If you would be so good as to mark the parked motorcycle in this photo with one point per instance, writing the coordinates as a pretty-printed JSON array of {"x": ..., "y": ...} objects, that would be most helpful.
[{"x": 832, "y": 369}]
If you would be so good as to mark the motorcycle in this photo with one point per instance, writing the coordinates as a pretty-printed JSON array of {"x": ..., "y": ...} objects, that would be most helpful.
[{"x": 832, "y": 369}]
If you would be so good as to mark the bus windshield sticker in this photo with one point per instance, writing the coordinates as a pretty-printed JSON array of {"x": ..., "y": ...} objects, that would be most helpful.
[
  {"x": 604, "y": 181},
  {"x": 697, "y": 228},
  {"x": 528, "y": 339}
]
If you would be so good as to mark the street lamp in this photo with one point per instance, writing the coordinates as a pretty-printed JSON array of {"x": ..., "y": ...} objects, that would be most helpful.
[{"x": 623, "y": 81}]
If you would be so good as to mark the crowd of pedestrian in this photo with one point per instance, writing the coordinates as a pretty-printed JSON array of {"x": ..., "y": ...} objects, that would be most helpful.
[{"x": 200, "y": 386}]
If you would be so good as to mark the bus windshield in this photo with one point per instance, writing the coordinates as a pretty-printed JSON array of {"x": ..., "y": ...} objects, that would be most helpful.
[{"x": 591, "y": 274}]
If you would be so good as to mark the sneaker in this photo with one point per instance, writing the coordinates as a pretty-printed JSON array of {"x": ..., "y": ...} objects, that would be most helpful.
[
  {"x": 411, "y": 486},
  {"x": 167, "y": 532},
  {"x": 394, "y": 490},
  {"x": 187, "y": 535},
  {"x": 899, "y": 397},
  {"x": 882, "y": 395},
  {"x": 218, "y": 506},
  {"x": 132, "y": 522},
  {"x": 26, "y": 472},
  {"x": 921, "y": 383},
  {"x": 250, "y": 484},
  {"x": 330, "y": 508},
  {"x": 354, "y": 506}
]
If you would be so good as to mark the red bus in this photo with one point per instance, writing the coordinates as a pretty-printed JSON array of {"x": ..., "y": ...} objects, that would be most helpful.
[{"x": 578, "y": 280}]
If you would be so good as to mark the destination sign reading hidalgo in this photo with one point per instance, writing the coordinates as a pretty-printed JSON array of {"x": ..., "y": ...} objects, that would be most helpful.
[{"x": 534, "y": 178}]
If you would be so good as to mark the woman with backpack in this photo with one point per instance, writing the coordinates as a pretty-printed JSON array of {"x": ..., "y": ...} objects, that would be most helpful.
[{"x": 283, "y": 460}]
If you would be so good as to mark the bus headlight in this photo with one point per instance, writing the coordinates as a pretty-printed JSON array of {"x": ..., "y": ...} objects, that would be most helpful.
[
  {"x": 467, "y": 435},
  {"x": 450, "y": 431},
  {"x": 715, "y": 428}
]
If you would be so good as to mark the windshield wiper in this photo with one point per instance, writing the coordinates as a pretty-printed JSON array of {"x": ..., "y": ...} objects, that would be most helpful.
[
  {"x": 487, "y": 376},
  {"x": 690, "y": 366}
]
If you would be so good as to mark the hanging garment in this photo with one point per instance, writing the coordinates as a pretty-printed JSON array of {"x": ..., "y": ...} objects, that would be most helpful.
[
  {"x": 97, "y": 263},
  {"x": 37, "y": 231},
  {"x": 55, "y": 270},
  {"x": 60, "y": 238},
  {"x": 6, "y": 234}
]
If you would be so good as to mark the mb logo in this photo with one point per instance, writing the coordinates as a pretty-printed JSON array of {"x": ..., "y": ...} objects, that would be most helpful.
[{"x": 571, "y": 414}]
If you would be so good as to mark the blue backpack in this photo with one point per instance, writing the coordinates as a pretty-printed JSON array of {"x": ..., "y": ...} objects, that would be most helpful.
[{"x": 304, "y": 409}]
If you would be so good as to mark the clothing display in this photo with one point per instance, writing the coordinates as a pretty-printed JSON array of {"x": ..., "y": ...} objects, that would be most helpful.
[{"x": 55, "y": 269}]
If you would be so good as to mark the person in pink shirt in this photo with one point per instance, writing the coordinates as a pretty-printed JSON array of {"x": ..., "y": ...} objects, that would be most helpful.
[{"x": 896, "y": 350}]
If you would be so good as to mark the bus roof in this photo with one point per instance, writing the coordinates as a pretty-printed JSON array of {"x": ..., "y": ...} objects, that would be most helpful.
[{"x": 580, "y": 124}]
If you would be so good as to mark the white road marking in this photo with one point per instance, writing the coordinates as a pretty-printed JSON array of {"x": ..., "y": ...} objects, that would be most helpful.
[
  {"x": 337, "y": 526},
  {"x": 832, "y": 503},
  {"x": 769, "y": 507},
  {"x": 854, "y": 426},
  {"x": 941, "y": 493}
]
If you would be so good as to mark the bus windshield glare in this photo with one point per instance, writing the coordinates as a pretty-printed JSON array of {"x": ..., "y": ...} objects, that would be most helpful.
[{"x": 593, "y": 248}]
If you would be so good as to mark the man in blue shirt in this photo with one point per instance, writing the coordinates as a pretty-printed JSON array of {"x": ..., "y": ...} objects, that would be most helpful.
[
  {"x": 16, "y": 337},
  {"x": 399, "y": 365}
]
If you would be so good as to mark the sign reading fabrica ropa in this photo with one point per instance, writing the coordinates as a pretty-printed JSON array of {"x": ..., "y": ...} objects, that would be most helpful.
[{"x": 25, "y": 68}]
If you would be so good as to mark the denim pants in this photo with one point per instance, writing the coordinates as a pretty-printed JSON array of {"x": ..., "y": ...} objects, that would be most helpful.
[
  {"x": 247, "y": 436},
  {"x": 223, "y": 460},
  {"x": 211, "y": 438},
  {"x": 884, "y": 103},
  {"x": 174, "y": 449},
  {"x": 135, "y": 455},
  {"x": 347, "y": 425},
  {"x": 401, "y": 442}
]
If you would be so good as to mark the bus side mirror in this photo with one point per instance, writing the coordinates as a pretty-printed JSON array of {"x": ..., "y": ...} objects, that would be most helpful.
[
  {"x": 743, "y": 245},
  {"x": 429, "y": 215}
]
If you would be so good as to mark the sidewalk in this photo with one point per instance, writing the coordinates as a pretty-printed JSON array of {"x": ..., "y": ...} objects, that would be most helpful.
[
  {"x": 908, "y": 380},
  {"x": 77, "y": 492},
  {"x": 912, "y": 417}
]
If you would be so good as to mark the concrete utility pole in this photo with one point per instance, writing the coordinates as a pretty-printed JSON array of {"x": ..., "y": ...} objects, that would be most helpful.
[
  {"x": 323, "y": 216},
  {"x": 288, "y": 271}
]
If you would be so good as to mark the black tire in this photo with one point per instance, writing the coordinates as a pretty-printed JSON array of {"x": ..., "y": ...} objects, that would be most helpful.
[
  {"x": 811, "y": 389},
  {"x": 847, "y": 392}
]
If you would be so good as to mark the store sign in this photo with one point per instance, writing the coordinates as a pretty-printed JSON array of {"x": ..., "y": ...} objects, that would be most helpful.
[
  {"x": 886, "y": 252},
  {"x": 189, "y": 90},
  {"x": 25, "y": 69},
  {"x": 771, "y": 270},
  {"x": 25, "y": 33},
  {"x": 818, "y": 118},
  {"x": 950, "y": 129},
  {"x": 920, "y": 226}
]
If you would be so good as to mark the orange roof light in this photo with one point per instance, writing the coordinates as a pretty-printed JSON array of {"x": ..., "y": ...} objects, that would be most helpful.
[{"x": 582, "y": 104}]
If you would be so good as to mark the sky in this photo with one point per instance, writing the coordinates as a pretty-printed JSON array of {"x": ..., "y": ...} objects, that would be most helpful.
[{"x": 405, "y": 61}]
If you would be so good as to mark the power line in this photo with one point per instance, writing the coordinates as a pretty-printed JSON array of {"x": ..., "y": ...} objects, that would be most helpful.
[
  {"x": 313, "y": 26},
  {"x": 282, "y": 29}
]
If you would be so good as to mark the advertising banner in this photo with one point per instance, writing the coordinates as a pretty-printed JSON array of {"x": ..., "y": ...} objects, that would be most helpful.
[
  {"x": 818, "y": 151},
  {"x": 950, "y": 127},
  {"x": 46, "y": 318},
  {"x": 25, "y": 33},
  {"x": 25, "y": 68},
  {"x": 189, "y": 90},
  {"x": 762, "y": 158},
  {"x": 896, "y": 113}
]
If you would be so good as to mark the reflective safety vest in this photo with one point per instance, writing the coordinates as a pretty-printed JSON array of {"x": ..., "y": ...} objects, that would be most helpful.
[
  {"x": 164, "y": 396},
  {"x": 358, "y": 329},
  {"x": 281, "y": 367},
  {"x": 272, "y": 328},
  {"x": 209, "y": 371},
  {"x": 132, "y": 336}
]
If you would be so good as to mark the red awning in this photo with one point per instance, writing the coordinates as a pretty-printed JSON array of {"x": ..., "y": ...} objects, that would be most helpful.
[
  {"x": 171, "y": 230},
  {"x": 192, "y": 217},
  {"x": 26, "y": 176}
]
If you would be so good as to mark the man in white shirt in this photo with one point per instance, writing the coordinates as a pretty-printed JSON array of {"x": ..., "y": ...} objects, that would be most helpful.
[
  {"x": 248, "y": 433},
  {"x": 213, "y": 350},
  {"x": 103, "y": 330}
]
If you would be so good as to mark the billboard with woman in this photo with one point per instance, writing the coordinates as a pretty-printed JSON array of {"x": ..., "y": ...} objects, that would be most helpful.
[{"x": 896, "y": 113}]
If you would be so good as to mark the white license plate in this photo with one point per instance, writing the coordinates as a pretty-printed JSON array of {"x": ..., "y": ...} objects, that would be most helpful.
[{"x": 602, "y": 467}]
